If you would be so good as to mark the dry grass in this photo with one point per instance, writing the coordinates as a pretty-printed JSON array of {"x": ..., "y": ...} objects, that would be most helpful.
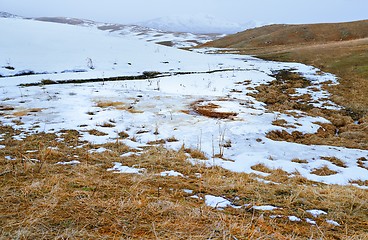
[
  {"x": 106, "y": 104},
  {"x": 26, "y": 112},
  {"x": 261, "y": 168},
  {"x": 362, "y": 162},
  {"x": 42, "y": 200},
  {"x": 95, "y": 132},
  {"x": 106, "y": 124},
  {"x": 323, "y": 171},
  {"x": 342, "y": 131},
  {"x": 211, "y": 110},
  {"x": 123, "y": 134},
  {"x": 117, "y": 105},
  {"x": 296, "y": 160},
  {"x": 196, "y": 153},
  {"x": 303, "y": 34},
  {"x": 335, "y": 161}
]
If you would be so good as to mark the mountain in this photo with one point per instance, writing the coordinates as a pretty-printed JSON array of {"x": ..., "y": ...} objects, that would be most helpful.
[
  {"x": 7, "y": 15},
  {"x": 197, "y": 24}
]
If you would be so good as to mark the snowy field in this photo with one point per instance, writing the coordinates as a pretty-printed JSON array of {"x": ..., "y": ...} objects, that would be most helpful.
[{"x": 161, "y": 108}]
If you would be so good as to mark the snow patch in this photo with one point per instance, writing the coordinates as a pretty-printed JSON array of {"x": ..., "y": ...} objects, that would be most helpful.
[
  {"x": 332, "y": 222},
  {"x": 265, "y": 208},
  {"x": 316, "y": 213},
  {"x": 119, "y": 168},
  {"x": 171, "y": 173},
  {"x": 73, "y": 162}
]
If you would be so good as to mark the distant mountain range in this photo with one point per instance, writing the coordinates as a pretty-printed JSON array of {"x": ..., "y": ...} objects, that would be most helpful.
[
  {"x": 8, "y": 15},
  {"x": 198, "y": 24}
]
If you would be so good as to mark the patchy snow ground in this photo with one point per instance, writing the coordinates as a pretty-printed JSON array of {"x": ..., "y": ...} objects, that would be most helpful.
[{"x": 157, "y": 109}]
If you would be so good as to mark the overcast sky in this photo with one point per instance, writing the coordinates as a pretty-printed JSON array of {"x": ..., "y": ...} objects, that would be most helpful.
[{"x": 240, "y": 11}]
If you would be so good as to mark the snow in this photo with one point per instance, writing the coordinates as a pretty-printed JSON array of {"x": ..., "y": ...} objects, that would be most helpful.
[
  {"x": 159, "y": 108},
  {"x": 275, "y": 216},
  {"x": 129, "y": 154},
  {"x": 310, "y": 221},
  {"x": 316, "y": 213},
  {"x": 217, "y": 202},
  {"x": 98, "y": 150},
  {"x": 332, "y": 222},
  {"x": 188, "y": 191},
  {"x": 197, "y": 24},
  {"x": 265, "y": 208},
  {"x": 294, "y": 219},
  {"x": 119, "y": 168},
  {"x": 170, "y": 38},
  {"x": 73, "y": 162},
  {"x": 171, "y": 173}
]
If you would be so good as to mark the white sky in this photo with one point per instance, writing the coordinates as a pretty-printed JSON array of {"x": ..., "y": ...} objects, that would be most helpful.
[{"x": 240, "y": 11}]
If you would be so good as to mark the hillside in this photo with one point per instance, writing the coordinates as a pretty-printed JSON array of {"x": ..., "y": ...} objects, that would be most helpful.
[
  {"x": 304, "y": 34},
  {"x": 339, "y": 48}
]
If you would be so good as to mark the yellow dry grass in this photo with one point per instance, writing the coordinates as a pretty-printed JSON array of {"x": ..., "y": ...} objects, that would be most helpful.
[
  {"x": 211, "y": 110},
  {"x": 342, "y": 131},
  {"x": 106, "y": 104},
  {"x": 117, "y": 105},
  {"x": 25, "y": 112},
  {"x": 40, "y": 199}
]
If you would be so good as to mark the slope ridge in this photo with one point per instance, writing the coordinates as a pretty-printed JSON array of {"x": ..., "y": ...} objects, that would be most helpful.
[{"x": 282, "y": 34}]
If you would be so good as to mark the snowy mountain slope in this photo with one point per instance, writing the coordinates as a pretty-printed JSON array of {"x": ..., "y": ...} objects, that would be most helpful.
[
  {"x": 168, "y": 38},
  {"x": 8, "y": 15},
  {"x": 155, "y": 109},
  {"x": 51, "y": 48},
  {"x": 197, "y": 24}
]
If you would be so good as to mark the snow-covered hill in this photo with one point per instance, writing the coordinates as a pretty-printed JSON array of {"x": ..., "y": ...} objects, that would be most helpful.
[
  {"x": 8, "y": 15},
  {"x": 197, "y": 24},
  {"x": 40, "y": 48},
  {"x": 168, "y": 38},
  {"x": 164, "y": 106}
]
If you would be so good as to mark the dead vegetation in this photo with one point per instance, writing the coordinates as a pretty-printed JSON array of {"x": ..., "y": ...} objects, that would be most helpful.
[
  {"x": 106, "y": 104},
  {"x": 346, "y": 129},
  {"x": 211, "y": 110},
  {"x": 323, "y": 171},
  {"x": 43, "y": 199},
  {"x": 335, "y": 161}
]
